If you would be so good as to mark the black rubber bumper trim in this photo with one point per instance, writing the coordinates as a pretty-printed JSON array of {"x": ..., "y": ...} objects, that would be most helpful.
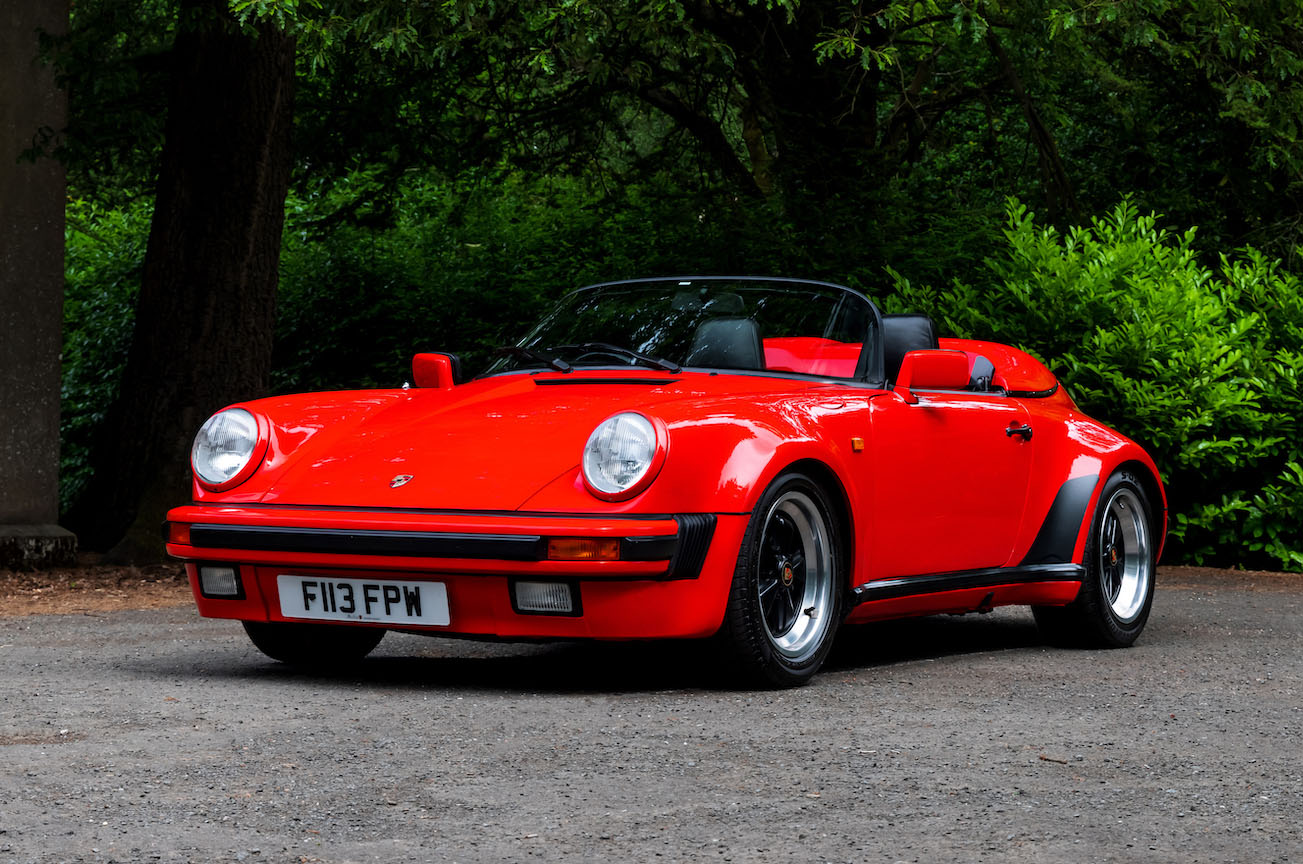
[
  {"x": 935, "y": 583},
  {"x": 1033, "y": 394},
  {"x": 695, "y": 533},
  {"x": 657, "y": 548},
  {"x": 416, "y": 544},
  {"x": 685, "y": 550}
]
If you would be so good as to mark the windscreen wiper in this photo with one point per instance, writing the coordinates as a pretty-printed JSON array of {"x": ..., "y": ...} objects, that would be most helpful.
[
  {"x": 521, "y": 353},
  {"x": 608, "y": 348}
]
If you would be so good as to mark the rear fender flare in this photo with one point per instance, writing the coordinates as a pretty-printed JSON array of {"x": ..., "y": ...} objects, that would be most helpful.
[{"x": 1062, "y": 534}]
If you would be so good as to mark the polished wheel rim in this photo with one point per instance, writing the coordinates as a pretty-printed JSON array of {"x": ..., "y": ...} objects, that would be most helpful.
[
  {"x": 1124, "y": 560},
  {"x": 795, "y": 575}
]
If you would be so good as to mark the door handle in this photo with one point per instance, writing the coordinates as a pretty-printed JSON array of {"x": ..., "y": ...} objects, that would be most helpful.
[{"x": 1019, "y": 429}]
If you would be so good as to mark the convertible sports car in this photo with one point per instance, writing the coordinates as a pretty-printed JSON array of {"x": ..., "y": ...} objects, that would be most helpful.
[{"x": 757, "y": 460}]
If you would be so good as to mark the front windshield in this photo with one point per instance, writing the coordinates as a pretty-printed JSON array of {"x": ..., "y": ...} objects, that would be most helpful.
[{"x": 716, "y": 323}]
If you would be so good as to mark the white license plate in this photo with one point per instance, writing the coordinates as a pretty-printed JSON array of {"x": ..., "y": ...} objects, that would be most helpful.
[{"x": 382, "y": 601}]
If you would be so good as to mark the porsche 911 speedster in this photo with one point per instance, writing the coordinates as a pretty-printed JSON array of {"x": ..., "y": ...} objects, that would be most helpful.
[{"x": 757, "y": 460}]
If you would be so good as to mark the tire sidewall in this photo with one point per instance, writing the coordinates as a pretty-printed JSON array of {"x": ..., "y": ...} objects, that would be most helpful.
[
  {"x": 1093, "y": 600},
  {"x": 315, "y": 646},
  {"x": 744, "y": 620}
]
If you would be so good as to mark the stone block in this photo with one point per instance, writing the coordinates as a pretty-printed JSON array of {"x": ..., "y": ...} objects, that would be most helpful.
[{"x": 36, "y": 547}]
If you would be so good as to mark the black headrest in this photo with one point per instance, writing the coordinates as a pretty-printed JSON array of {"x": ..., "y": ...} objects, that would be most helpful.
[
  {"x": 902, "y": 334},
  {"x": 727, "y": 343},
  {"x": 726, "y": 304}
]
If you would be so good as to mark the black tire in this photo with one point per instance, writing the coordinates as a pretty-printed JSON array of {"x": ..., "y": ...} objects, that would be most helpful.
[
  {"x": 313, "y": 646},
  {"x": 1116, "y": 595},
  {"x": 785, "y": 604}
]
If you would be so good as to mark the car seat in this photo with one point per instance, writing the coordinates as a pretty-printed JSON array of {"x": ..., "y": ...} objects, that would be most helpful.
[
  {"x": 904, "y": 333},
  {"x": 727, "y": 343}
]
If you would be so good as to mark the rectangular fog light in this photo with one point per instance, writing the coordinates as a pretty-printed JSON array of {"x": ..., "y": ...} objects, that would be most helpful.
[
  {"x": 219, "y": 582},
  {"x": 545, "y": 598}
]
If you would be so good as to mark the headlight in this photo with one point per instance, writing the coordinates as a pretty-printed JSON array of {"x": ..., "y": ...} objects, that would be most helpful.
[
  {"x": 224, "y": 448},
  {"x": 623, "y": 455}
]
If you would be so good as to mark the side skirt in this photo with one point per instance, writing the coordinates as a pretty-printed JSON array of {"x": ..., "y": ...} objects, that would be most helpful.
[{"x": 913, "y": 586}]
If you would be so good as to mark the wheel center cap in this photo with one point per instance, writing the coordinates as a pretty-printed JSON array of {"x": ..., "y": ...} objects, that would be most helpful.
[
  {"x": 1113, "y": 555},
  {"x": 788, "y": 575}
]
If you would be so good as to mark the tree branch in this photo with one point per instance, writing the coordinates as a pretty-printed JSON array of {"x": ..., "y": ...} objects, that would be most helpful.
[
  {"x": 707, "y": 131},
  {"x": 1054, "y": 176}
]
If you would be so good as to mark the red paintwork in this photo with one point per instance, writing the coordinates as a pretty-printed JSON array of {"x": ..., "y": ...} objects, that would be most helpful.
[
  {"x": 932, "y": 370},
  {"x": 615, "y": 605},
  {"x": 939, "y": 486},
  {"x": 433, "y": 371},
  {"x": 1014, "y": 370},
  {"x": 812, "y": 356},
  {"x": 967, "y": 600}
]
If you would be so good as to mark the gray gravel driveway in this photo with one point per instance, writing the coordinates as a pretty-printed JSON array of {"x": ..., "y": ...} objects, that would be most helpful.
[{"x": 160, "y": 736}]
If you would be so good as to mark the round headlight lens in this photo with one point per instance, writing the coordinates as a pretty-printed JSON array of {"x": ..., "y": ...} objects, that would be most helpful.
[
  {"x": 224, "y": 446},
  {"x": 619, "y": 453}
]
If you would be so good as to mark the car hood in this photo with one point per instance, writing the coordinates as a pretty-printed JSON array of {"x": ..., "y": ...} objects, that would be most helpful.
[{"x": 487, "y": 445}]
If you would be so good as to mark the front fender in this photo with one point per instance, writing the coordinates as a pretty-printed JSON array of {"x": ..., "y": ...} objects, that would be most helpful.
[
  {"x": 717, "y": 461},
  {"x": 302, "y": 422}
]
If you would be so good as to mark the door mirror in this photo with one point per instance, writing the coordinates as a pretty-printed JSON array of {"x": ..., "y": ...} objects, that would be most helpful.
[
  {"x": 436, "y": 371},
  {"x": 932, "y": 370}
]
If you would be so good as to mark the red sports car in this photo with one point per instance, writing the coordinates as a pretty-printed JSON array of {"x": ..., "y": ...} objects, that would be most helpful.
[{"x": 760, "y": 460}]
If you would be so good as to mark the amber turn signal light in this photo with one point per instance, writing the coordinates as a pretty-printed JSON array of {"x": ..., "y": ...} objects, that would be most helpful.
[
  {"x": 582, "y": 549},
  {"x": 177, "y": 532}
]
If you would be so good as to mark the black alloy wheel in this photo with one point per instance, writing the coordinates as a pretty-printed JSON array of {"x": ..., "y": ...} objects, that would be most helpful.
[{"x": 786, "y": 601}]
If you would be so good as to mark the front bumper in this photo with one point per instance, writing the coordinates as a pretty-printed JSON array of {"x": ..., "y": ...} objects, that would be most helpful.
[{"x": 671, "y": 577}]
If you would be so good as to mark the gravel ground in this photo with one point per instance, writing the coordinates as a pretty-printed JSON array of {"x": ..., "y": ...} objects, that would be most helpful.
[{"x": 154, "y": 735}]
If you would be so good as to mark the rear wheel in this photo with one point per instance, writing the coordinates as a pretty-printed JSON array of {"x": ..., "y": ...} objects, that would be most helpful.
[
  {"x": 786, "y": 600},
  {"x": 1116, "y": 595},
  {"x": 313, "y": 646}
]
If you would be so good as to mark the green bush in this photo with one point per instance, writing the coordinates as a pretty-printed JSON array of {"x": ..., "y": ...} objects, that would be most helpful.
[
  {"x": 1200, "y": 365},
  {"x": 105, "y": 254},
  {"x": 458, "y": 266},
  {"x": 466, "y": 265}
]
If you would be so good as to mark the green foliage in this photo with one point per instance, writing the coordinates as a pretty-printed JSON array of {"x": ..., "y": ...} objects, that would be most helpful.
[
  {"x": 1200, "y": 365},
  {"x": 1193, "y": 105},
  {"x": 114, "y": 62},
  {"x": 459, "y": 163},
  {"x": 103, "y": 262},
  {"x": 889, "y": 38},
  {"x": 467, "y": 264},
  {"x": 1248, "y": 51}
]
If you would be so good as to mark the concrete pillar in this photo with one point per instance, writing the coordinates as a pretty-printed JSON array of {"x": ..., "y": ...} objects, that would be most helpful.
[{"x": 32, "y": 197}]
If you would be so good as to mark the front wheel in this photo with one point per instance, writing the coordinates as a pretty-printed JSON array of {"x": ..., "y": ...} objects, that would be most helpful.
[
  {"x": 785, "y": 604},
  {"x": 1115, "y": 598},
  {"x": 313, "y": 646}
]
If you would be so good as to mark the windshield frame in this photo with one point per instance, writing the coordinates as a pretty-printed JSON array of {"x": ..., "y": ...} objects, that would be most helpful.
[{"x": 869, "y": 369}]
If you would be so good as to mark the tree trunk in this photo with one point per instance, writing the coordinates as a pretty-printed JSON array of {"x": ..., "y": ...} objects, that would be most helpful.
[{"x": 204, "y": 317}]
